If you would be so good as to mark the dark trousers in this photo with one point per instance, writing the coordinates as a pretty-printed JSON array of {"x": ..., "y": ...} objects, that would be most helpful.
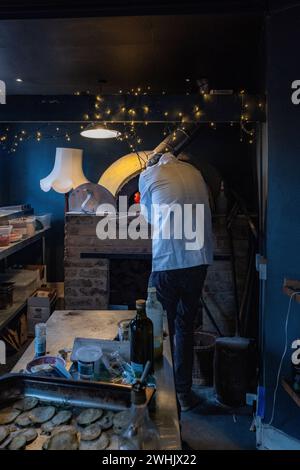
[{"x": 179, "y": 291}]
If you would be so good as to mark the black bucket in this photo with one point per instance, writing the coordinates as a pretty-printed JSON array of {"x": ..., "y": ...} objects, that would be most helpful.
[
  {"x": 234, "y": 366},
  {"x": 204, "y": 350}
]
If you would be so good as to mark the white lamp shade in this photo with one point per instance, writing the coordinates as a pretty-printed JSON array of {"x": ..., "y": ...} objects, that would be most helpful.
[{"x": 67, "y": 172}]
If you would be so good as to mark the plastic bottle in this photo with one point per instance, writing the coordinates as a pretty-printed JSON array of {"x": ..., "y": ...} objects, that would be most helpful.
[
  {"x": 142, "y": 433},
  {"x": 40, "y": 339},
  {"x": 154, "y": 310}
]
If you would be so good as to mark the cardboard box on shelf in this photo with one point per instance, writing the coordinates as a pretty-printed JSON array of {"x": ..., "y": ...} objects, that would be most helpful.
[
  {"x": 42, "y": 272},
  {"x": 39, "y": 307}
]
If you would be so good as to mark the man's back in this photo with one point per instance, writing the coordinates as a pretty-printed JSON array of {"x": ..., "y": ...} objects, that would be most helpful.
[{"x": 175, "y": 184}]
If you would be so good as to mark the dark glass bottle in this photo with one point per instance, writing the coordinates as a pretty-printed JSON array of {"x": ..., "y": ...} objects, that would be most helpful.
[{"x": 141, "y": 339}]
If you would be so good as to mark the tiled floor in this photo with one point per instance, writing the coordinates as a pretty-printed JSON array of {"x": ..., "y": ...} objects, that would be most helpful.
[{"x": 213, "y": 427}]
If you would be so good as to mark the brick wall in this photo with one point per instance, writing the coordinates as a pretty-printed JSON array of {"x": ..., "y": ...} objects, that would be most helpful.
[
  {"x": 87, "y": 279},
  {"x": 219, "y": 288}
]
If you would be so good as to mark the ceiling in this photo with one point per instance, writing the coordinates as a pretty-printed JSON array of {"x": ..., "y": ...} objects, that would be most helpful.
[
  {"x": 61, "y": 56},
  {"x": 89, "y": 8}
]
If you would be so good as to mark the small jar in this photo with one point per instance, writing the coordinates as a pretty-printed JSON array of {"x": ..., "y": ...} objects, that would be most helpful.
[
  {"x": 87, "y": 357},
  {"x": 40, "y": 339}
]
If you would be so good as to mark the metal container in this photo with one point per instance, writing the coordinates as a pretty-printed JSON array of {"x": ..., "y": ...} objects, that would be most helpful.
[{"x": 67, "y": 392}]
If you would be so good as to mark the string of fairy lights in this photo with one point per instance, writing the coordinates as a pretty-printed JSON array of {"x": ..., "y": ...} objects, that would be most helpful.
[{"x": 131, "y": 120}]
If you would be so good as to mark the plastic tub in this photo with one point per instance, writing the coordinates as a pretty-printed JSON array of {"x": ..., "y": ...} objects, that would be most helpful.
[
  {"x": 88, "y": 358},
  {"x": 45, "y": 220},
  {"x": 30, "y": 226},
  {"x": 44, "y": 360},
  {"x": 16, "y": 235},
  {"x": 5, "y": 231},
  {"x": 20, "y": 225}
]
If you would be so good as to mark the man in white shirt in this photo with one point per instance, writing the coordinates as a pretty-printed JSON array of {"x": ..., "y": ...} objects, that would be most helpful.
[{"x": 174, "y": 199}]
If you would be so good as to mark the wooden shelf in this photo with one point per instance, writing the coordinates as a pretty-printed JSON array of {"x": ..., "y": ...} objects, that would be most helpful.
[
  {"x": 289, "y": 389},
  {"x": 15, "y": 247},
  {"x": 7, "y": 315},
  {"x": 291, "y": 286}
]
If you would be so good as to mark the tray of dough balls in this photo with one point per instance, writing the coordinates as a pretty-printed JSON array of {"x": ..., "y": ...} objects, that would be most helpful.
[{"x": 46, "y": 413}]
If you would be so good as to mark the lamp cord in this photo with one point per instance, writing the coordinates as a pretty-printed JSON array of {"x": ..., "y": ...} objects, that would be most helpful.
[{"x": 282, "y": 357}]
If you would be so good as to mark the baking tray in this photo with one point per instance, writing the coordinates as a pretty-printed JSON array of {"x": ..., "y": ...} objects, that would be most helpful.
[
  {"x": 61, "y": 391},
  {"x": 70, "y": 393}
]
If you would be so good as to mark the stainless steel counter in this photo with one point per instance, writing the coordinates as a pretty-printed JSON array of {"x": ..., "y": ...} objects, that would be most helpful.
[{"x": 64, "y": 326}]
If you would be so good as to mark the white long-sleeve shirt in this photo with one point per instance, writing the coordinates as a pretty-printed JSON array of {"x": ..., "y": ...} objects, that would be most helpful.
[{"x": 177, "y": 186}]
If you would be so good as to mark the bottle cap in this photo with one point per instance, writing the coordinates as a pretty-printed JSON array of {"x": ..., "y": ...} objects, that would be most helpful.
[
  {"x": 40, "y": 329},
  {"x": 140, "y": 304},
  {"x": 151, "y": 289}
]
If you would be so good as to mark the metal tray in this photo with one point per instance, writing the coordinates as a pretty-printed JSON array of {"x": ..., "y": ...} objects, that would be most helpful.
[
  {"x": 57, "y": 391},
  {"x": 83, "y": 394},
  {"x": 107, "y": 346}
]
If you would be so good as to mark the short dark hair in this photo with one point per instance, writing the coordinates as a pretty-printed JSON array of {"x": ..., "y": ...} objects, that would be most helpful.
[{"x": 155, "y": 159}]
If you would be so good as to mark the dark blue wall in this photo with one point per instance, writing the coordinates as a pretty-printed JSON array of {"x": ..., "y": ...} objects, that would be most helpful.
[
  {"x": 2, "y": 180},
  {"x": 34, "y": 160},
  {"x": 283, "y": 218}
]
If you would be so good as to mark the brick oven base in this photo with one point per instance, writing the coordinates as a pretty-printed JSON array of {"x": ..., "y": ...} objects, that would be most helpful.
[{"x": 103, "y": 272}]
